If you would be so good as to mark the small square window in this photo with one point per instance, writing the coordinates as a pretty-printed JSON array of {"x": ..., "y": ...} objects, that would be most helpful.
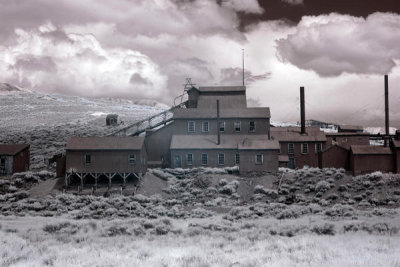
[
  {"x": 237, "y": 158},
  {"x": 304, "y": 148},
  {"x": 318, "y": 147},
  {"x": 191, "y": 126},
  {"x": 189, "y": 159},
  {"x": 252, "y": 126},
  {"x": 222, "y": 126},
  {"x": 237, "y": 125},
  {"x": 132, "y": 159},
  {"x": 291, "y": 148},
  {"x": 221, "y": 159},
  {"x": 204, "y": 159},
  {"x": 259, "y": 159},
  {"x": 88, "y": 159},
  {"x": 205, "y": 126}
]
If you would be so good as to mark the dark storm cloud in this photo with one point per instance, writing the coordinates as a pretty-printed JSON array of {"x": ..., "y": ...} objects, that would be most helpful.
[
  {"x": 234, "y": 76},
  {"x": 35, "y": 63},
  {"x": 334, "y": 44},
  {"x": 137, "y": 79}
]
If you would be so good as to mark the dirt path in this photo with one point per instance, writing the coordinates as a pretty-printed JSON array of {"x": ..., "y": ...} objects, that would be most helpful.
[
  {"x": 152, "y": 185},
  {"x": 44, "y": 188}
]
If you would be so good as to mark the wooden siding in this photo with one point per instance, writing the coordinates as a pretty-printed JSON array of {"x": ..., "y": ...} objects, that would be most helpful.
[{"x": 310, "y": 159}]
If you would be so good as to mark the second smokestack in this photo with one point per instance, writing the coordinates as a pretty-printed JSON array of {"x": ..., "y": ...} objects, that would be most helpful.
[
  {"x": 218, "y": 126},
  {"x": 302, "y": 111}
]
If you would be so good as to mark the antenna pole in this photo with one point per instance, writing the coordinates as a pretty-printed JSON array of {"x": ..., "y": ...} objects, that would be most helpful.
[{"x": 243, "y": 65}]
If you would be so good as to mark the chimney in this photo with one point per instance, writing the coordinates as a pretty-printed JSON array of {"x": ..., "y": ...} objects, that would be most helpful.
[
  {"x": 302, "y": 111},
  {"x": 218, "y": 128},
  {"x": 386, "y": 110}
]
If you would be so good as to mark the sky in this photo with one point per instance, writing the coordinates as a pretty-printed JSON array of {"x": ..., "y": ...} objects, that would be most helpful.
[{"x": 144, "y": 49}]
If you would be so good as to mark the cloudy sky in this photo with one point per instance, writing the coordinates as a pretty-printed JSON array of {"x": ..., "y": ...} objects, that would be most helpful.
[{"x": 339, "y": 50}]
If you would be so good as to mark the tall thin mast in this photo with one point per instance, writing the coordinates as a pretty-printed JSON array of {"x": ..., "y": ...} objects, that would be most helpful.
[{"x": 243, "y": 65}]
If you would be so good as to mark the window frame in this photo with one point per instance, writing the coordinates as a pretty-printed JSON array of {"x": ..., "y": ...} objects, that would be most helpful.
[
  {"x": 130, "y": 162},
  {"x": 187, "y": 159},
  {"x": 234, "y": 126},
  {"x": 86, "y": 157},
  {"x": 203, "y": 123},
  {"x": 318, "y": 147},
  {"x": 188, "y": 126},
  {"x": 304, "y": 148},
  {"x": 224, "y": 126},
  {"x": 206, "y": 159},
  {"x": 291, "y": 151},
  {"x": 237, "y": 158},
  {"x": 254, "y": 129},
  {"x": 256, "y": 159},
  {"x": 219, "y": 159}
]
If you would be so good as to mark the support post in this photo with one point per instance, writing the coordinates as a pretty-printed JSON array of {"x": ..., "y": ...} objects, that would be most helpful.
[{"x": 218, "y": 126}]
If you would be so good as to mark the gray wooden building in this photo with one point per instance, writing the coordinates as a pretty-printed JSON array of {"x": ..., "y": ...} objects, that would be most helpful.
[
  {"x": 113, "y": 157},
  {"x": 14, "y": 158}
]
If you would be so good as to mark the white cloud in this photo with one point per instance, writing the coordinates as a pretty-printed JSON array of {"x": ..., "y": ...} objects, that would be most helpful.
[
  {"x": 248, "y": 6},
  {"x": 334, "y": 44},
  {"x": 294, "y": 2},
  {"x": 77, "y": 64}
]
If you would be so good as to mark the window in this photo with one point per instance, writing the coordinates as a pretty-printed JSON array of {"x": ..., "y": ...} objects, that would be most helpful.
[
  {"x": 205, "y": 127},
  {"x": 191, "y": 126},
  {"x": 132, "y": 159},
  {"x": 2, "y": 162},
  {"x": 88, "y": 159},
  {"x": 280, "y": 148},
  {"x": 204, "y": 159},
  {"x": 237, "y": 158},
  {"x": 222, "y": 126},
  {"x": 304, "y": 148},
  {"x": 259, "y": 159},
  {"x": 252, "y": 126},
  {"x": 291, "y": 148},
  {"x": 318, "y": 147},
  {"x": 221, "y": 159},
  {"x": 189, "y": 159},
  {"x": 237, "y": 125}
]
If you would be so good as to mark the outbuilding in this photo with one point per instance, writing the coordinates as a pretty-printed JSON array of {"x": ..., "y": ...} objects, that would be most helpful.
[
  {"x": 366, "y": 159},
  {"x": 92, "y": 159},
  {"x": 14, "y": 158}
]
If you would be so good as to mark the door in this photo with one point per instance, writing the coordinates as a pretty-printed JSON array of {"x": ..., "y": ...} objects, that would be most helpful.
[
  {"x": 2, "y": 166},
  {"x": 292, "y": 163},
  {"x": 177, "y": 161}
]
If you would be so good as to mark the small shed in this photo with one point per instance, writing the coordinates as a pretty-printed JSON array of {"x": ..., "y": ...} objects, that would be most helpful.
[
  {"x": 14, "y": 158},
  {"x": 112, "y": 119},
  {"x": 335, "y": 156},
  {"x": 367, "y": 159}
]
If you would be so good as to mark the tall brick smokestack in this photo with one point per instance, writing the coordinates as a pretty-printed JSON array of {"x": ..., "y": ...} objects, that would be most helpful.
[
  {"x": 302, "y": 111},
  {"x": 386, "y": 110}
]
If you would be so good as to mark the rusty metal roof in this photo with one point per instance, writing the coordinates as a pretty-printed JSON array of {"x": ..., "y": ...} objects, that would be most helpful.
[
  {"x": 12, "y": 149},
  {"x": 370, "y": 150},
  {"x": 242, "y": 142},
  {"x": 194, "y": 113},
  {"x": 105, "y": 143},
  {"x": 293, "y": 134},
  {"x": 283, "y": 158},
  {"x": 396, "y": 143}
]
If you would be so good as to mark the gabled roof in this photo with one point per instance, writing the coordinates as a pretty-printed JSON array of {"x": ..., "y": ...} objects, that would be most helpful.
[
  {"x": 368, "y": 150},
  {"x": 105, "y": 143},
  {"x": 283, "y": 158},
  {"x": 194, "y": 113},
  {"x": 293, "y": 134},
  {"x": 336, "y": 146},
  {"x": 396, "y": 143},
  {"x": 242, "y": 142},
  {"x": 222, "y": 89},
  {"x": 12, "y": 149}
]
